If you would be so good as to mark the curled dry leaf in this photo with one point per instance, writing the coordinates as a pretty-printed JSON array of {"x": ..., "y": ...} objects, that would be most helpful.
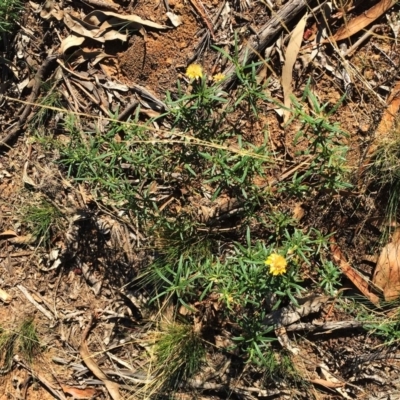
[
  {"x": 83, "y": 29},
  {"x": 388, "y": 118},
  {"x": 387, "y": 272},
  {"x": 8, "y": 233},
  {"x": 71, "y": 41},
  {"x": 77, "y": 393}
]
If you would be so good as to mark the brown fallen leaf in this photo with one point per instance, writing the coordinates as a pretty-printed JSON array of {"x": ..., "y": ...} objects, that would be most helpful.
[
  {"x": 71, "y": 41},
  {"x": 112, "y": 387},
  {"x": 327, "y": 384},
  {"x": 290, "y": 58},
  {"x": 4, "y": 296},
  {"x": 360, "y": 22},
  {"x": 76, "y": 393},
  {"x": 7, "y": 233},
  {"x": 387, "y": 271},
  {"x": 358, "y": 280}
]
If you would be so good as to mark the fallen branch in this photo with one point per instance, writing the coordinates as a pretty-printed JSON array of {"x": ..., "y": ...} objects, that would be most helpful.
[
  {"x": 268, "y": 32},
  {"x": 324, "y": 326},
  {"x": 26, "y": 109}
]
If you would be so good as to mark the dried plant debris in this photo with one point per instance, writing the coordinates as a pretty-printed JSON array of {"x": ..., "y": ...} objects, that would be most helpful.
[{"x": 196, "y": 199}]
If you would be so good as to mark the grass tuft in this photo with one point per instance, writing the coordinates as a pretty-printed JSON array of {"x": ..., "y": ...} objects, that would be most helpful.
[{"x": 42, "y": 219}]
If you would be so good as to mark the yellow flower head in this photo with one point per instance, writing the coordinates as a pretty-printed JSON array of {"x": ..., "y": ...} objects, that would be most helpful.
[
  {"x": 194, "y": 71},
  {"x": 218, "y": 77},
  {"x": 277, "y": 264}
]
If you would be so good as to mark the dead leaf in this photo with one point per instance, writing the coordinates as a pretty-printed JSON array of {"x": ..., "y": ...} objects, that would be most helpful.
[
  {"x": 331, "y": 379},
  {"x": 298, "y": 211},
  {"x": 27, "y": 239},
  {"x": 77, "y": 393},
  {"x": 176, "y": 20},
  {"x": 4, "y": 296},
  {"x": 8, "y": 233},
  {"x": 326, "y": 383},
  {"x": 358, "y": 280},
  {"x": 112, "y": 387},
  {"x": 71, "y": 41},
  {"x": 98, "y": 17},
  {"x": 290, "y": 58},
  {"x": 363, "y": 20},
  {"x": 78, "y": 26},
  {"x": 387, "y": 271}
]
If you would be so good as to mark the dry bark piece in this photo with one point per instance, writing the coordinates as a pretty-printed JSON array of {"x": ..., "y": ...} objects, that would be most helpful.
[
  {"x": 288, "y": 315},
  {"x": 387, "y": 272}
]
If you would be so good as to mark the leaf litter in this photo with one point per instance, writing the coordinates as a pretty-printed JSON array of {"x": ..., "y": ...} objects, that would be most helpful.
[{"x": 106, "y": 60}]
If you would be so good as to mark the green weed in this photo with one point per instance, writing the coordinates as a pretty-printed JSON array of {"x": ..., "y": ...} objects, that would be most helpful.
[
  {"x": 9, "y": 11},
  {"x": 42, "y": 220}
]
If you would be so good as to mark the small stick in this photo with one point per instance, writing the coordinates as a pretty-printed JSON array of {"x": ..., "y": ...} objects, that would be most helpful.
[
  {"x": 200, "y": 9},
  {"x": 35, "y": 303}
]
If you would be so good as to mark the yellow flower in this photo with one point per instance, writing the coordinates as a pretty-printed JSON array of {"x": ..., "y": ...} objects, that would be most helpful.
[
  {"x": 277, "y": 264},
  {"x": 219, "y": 77},
  {"x": 194, "y": 71}
]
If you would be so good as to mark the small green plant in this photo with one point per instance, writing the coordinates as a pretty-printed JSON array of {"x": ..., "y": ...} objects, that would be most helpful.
[
  {"x": 384, "y": 173},
  {"x": 330, "y": 277},
  {"x": 322, "y": 142},
  {"x": 29, "y": 344},
  {"x": 52, "y": 98},
  {"x": 42, "y": 219},
  {"x": 24, "y": 341},
  {"x": 9, "y": 10}
]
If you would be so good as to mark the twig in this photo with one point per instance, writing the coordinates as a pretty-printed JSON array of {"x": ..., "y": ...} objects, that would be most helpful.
[
  {"x": 25, "y": 110},
  {"x": 43, "y": 381},
  {"x": 35, "y": 303},
  {"x": 128, "y": 110},
  {"x": 362, "y": 39}
]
